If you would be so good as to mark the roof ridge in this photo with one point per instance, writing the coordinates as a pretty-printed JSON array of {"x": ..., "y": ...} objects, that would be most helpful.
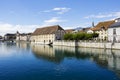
[
  {"x": 47, "y": 30},
  {"x": 106, "y": 21},
  {"x": 106, "y": 24},
  {"x": 48, "y": 26}
]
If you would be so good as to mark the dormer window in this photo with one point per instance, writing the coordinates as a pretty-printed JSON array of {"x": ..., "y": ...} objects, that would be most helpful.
[{"x": 117, "y": 20}]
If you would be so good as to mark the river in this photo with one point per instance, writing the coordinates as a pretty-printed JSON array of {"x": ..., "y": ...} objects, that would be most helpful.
[{"x": 25, "y": 61}]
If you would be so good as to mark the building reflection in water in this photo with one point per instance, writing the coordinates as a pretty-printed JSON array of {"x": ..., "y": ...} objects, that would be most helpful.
[
  {"x": 47, "y": 53},
  {"x": 105, "y": 58},
  {"x": 23, "y": 45}
]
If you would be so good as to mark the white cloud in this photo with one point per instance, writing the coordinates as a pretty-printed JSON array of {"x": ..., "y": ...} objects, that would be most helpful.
[
  {"x": 53, "y": 21},
  {"x": 105, "y": 15},
  {"x": 61, "y": 10},
  {"x": 99, "y": 16},
  {"x": 58, "y": 10},
  {"x": 9, "y": 28},
  {"x": 117, "y": 14}
]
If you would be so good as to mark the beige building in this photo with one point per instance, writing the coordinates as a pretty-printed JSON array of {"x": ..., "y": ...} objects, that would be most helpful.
[
  {"x": 23, "y": 36},
  {"x": 102, "y": 29},
  {"x": 47, "y": 35}
]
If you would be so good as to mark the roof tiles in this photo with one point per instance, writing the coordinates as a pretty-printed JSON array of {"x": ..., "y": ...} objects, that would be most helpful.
[
  {"x": 47, "y": 30},
  {"x": 105, "y": 24}
]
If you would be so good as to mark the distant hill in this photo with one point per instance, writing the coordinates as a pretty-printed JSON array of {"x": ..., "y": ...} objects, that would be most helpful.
[{"x": 78, "y": 28}]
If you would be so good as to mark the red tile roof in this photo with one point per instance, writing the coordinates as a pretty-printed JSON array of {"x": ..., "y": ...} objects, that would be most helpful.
[
  {"x": 47, "y": 30},
  {"x": 105, "y": 24}
]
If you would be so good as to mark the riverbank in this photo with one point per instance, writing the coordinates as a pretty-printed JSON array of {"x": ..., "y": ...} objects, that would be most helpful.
[{"x": 90, "y": 44}]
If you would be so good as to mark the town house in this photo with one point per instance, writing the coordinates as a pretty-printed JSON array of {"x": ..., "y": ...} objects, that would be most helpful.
[
  {"x": 47, "y": 35},
  {"x": 23, "y": 36},
  {"x": 114, "y": 31},
  {"x": 102, "y": 29}
]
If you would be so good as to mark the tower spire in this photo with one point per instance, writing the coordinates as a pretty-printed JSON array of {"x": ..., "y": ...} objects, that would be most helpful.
[{"x": 93, "y": 24}]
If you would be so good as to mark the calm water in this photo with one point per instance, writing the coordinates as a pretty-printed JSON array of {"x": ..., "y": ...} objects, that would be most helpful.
[{"x": 37, "y": 62}]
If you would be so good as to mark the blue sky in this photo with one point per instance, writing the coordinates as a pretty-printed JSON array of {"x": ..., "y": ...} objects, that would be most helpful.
[{"x": 26, "y": 15}]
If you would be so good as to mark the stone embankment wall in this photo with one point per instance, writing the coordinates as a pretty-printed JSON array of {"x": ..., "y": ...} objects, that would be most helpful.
[
  {"x": 104, "y": 45},
  {"x": 64, "y": 43}
]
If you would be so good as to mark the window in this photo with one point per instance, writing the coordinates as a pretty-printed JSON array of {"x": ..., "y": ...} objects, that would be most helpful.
[{"x": 114, "y": 31}]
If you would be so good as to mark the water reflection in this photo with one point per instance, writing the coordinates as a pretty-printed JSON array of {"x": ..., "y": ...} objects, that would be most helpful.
[
  {"x": 23, "y": 45},
  {"x": 60, "y": 60},
  {"x": 105, "y": 58},
  {"x": 47, "y": 53},
  {"x": 109, "y": 58},
  {"x": 6, "y": 49}
]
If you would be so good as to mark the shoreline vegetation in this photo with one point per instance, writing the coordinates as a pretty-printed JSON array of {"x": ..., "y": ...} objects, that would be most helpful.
[{"x": 80, "y": 36}]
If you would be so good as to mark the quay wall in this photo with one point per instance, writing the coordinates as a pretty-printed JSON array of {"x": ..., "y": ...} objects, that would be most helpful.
[
  {"x": 64, "y": 43},
  {"x": 104, "y": 45}
]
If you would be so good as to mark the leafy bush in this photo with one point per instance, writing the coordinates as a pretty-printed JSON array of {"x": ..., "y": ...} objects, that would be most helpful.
[
  {"x": 79, "y": 36},
  {"x": 95, "y": 35},
  {"x": 68, "y": 36}
]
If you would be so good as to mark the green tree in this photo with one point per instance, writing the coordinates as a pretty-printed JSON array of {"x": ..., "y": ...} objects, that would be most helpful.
[
  {"x": 95, "y": 35},
  {"x": 88, "y": 36},
  {"x": 79, "y": 36},
  {"x": 68, "y": 36}
]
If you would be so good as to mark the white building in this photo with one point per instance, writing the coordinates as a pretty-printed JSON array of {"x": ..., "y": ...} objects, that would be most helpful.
[
  {"x": 101, "y": 28},
  {"x": 47, "y": 35},
  {"x": 114, "y": 31},
  {"x": 23, "y": 36},
  {"x": 90, "y": 31}
]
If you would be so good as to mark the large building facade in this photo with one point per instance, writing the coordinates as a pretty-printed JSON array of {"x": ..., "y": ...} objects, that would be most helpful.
[
  {"x": 47, "y": 35},
  {"x": 114, "y": 31},
  {"x": 102, "y": 29}
]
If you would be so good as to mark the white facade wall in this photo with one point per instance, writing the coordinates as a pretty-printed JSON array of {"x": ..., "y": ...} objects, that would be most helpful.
[
  {"x": 23, "y": 38},
  {"x": 89, "y": 31},
  {"x": 102, "y": 34},
  {"x": 110, "y": 34}
]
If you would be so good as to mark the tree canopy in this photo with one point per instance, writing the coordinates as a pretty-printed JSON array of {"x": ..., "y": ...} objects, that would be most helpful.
[{"x": 80, "y": 36}]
